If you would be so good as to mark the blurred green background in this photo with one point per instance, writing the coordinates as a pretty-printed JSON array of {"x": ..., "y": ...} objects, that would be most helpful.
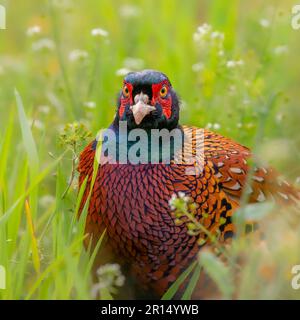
[
  {"x": 158, "y": 35},
  {"x": 67, "y": 59}
]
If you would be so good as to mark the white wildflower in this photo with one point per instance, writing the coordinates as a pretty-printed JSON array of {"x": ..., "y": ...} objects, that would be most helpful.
[
  {"x": 43, "y": 44},
  {"x": 39, "y": 124},
  {"x": 239, "y": 125},
  {"x": 265, "y": 23},
  {"x": 201, "y": 32},
  {"x": 44, "y": 109},
  {"x": 280, "y": 50},
  {"x": 109, "y": 277},
  {"x": 77, "y": 55},
  {"x": 129, "y": 11},
  {"x": 90, "y": 104},
  {"x": 216, "y": 126},
  {"x": 33, "y": 30},
  {"x": 197, "y": 67},
  {"x": 175, "y": 200},
  {"x": 209, "y": 125},
  {"x": 279, "y": 117},
  {"x": 204, "y": 29},
  {"x": 230, "y": 64},
  {"x": 99, "y": 32},
  {"x": 122, "y": 72},
  {"x": 217, "y": 35},
  {"x": 133, "y": 63},
  {"x": 172, "y": 201},
  {"x": 36, "y": 124},
  {"x": 181, "y": 194},
  {"x": 46, "y": 200},
  {"x": 234, "y": 63}
]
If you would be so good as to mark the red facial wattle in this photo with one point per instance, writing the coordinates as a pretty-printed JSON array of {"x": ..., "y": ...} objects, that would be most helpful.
[
  {"x": 125, "y": 100},
  {"x": 165, "y": 102}
]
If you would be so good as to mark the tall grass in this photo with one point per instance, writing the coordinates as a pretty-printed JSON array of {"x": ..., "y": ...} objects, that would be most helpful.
[{"x": 41, "y": 242}]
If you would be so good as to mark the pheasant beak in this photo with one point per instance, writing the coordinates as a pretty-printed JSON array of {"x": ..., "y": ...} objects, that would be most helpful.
[{"x": 141, "y": 107}]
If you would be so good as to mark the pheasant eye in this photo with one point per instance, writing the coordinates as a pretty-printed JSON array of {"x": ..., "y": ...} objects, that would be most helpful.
[
  {"x": 126, "y": 92},
  {"x": 163, "y": 92}
]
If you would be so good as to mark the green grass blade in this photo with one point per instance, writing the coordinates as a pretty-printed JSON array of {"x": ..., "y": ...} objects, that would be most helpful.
[
  {"x": 169, "y": 294},
  {"x": 4, "y": 218},
  {"x": 192, "y": 284},
  {"x": 218, "y": 271},
  {"x": 31, "y": 150},
  {"x": 28, "y": 140},
  {"x": 51, "y": 267},
  {"x": 94, "y": 254}
]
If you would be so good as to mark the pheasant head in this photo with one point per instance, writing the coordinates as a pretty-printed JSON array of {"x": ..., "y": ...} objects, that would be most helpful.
[{"x": 148, "y": 101}]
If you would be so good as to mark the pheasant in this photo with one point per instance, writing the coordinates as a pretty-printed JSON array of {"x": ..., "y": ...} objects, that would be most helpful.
[{"x": 131, "y": 199}]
